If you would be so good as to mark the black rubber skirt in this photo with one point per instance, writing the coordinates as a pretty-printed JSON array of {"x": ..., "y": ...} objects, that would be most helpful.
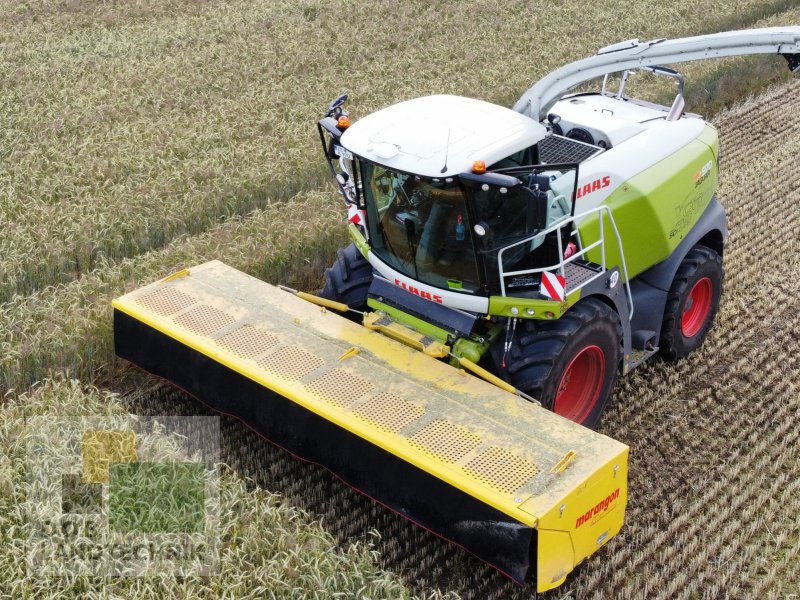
[{"x": 494, "y": 537}]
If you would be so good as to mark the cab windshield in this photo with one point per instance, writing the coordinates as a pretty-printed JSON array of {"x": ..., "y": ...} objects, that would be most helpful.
[{"x": 421, "y": 227}]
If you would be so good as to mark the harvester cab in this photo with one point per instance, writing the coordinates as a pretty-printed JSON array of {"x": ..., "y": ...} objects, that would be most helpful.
[
  {"x": 445, "y": 222},
  {"x": 545, "y": 249}
]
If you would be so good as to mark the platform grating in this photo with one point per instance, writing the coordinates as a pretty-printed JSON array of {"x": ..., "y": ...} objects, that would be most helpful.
[
  {"x": 389, "y": 412},
  {"x": 166, "y": 301},
  {"x": 340, "y": 388},
  {"x": 204, "y": 320},
  {"x": 248, "y": 341},
  {"x": 445, "y": 440},
  {"x": 291, "y": 362},
  {"x": 500, "y": 469},
  {"x": 578, "y": 275}
]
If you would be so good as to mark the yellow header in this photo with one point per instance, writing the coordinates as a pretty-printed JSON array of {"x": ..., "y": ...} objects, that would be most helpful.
[{"x": 509, "y": 453}]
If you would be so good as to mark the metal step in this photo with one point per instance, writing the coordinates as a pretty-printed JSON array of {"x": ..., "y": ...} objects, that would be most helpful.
[
  {"x": 639, "y": 357},
  {"x": 578, "y": 274}
]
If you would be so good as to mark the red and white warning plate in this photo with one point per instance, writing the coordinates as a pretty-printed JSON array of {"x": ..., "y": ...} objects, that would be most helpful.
[
  {"x": 354, "y": 215},
  {"x": 553, "y": 286}
]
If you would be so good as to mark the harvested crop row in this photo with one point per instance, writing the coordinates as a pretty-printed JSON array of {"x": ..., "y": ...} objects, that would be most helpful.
[{"x": 168, "y": 118}]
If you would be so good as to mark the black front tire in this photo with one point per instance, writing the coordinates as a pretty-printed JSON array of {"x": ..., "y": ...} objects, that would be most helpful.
[
  {"x": 692, "y": 303},
  {"x": 348, "y": 280},
  {"x": 570, "y": 365}
]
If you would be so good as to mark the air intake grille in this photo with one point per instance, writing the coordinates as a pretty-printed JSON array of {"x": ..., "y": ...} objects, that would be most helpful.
[{"x": 555, "y": 149}]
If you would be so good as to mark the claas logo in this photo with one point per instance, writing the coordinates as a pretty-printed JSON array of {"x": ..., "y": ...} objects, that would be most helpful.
[
  {"x": 597, "y": 184},
  {"x": 419, "y": 292},
  {"x": 703, "y": 173},
  {"x": 599, "y": 508}
]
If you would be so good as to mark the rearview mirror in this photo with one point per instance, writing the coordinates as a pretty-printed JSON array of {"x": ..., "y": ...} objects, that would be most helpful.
[{"x": 536, "y": 209}]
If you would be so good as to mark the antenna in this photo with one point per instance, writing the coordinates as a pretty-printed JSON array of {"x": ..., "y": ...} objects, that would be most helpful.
[{"x": 446, "y": 150}]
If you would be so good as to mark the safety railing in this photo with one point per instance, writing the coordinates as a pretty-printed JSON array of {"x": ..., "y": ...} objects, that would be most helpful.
[{"x": 579, "y": 253}]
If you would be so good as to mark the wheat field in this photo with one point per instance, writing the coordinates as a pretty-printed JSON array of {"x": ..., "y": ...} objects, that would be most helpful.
[{"x": 140, "y": 138}]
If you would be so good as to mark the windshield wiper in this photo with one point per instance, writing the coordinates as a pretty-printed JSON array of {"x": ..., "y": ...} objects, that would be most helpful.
[
  {"x": 385, "y": 238},
  {"x": 410, "y": 235}
]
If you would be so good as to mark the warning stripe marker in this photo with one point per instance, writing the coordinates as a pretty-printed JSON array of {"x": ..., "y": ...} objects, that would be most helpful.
[
  {"x": 354, "y": 215},
  {"x": 553, "y": 286}
]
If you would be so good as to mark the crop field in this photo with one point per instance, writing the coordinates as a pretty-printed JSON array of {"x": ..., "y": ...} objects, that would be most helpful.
[{"x": 142, "y": 137}]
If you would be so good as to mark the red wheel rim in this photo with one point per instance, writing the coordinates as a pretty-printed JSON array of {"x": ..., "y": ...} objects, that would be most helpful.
[
  {"x": 697, "y": 307},
  {"x": 581, "y": 384}
]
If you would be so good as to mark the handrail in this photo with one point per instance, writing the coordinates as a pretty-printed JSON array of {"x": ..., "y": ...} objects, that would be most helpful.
[
  {"x": 632, "y": 54},
  {"x": 579, "y": 253}
]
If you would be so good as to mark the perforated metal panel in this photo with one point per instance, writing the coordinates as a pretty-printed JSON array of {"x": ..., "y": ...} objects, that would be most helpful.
[
  {"x": 340, "y": 387},
  {"x": 577, "y": 275},
  {"x": 500, "y": 469},
  {"x": 248, "y": 341},
  {"x": 204, "y": 320},
  {"x": 291, "y": 362},
  {"x": 445, "y": 440},
  {"x": 389, "y": 412},
  {"x": 166, "y": 301}
]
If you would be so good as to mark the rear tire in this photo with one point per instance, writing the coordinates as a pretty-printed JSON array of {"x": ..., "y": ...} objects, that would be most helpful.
[
  {"x": 348, "y": 280},
  {"x": 692, "y": 303},
  {"x": 569, "y": 365}
]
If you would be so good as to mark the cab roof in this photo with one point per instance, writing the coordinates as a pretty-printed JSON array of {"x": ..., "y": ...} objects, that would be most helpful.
[{"x": 438, "y": 136}]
